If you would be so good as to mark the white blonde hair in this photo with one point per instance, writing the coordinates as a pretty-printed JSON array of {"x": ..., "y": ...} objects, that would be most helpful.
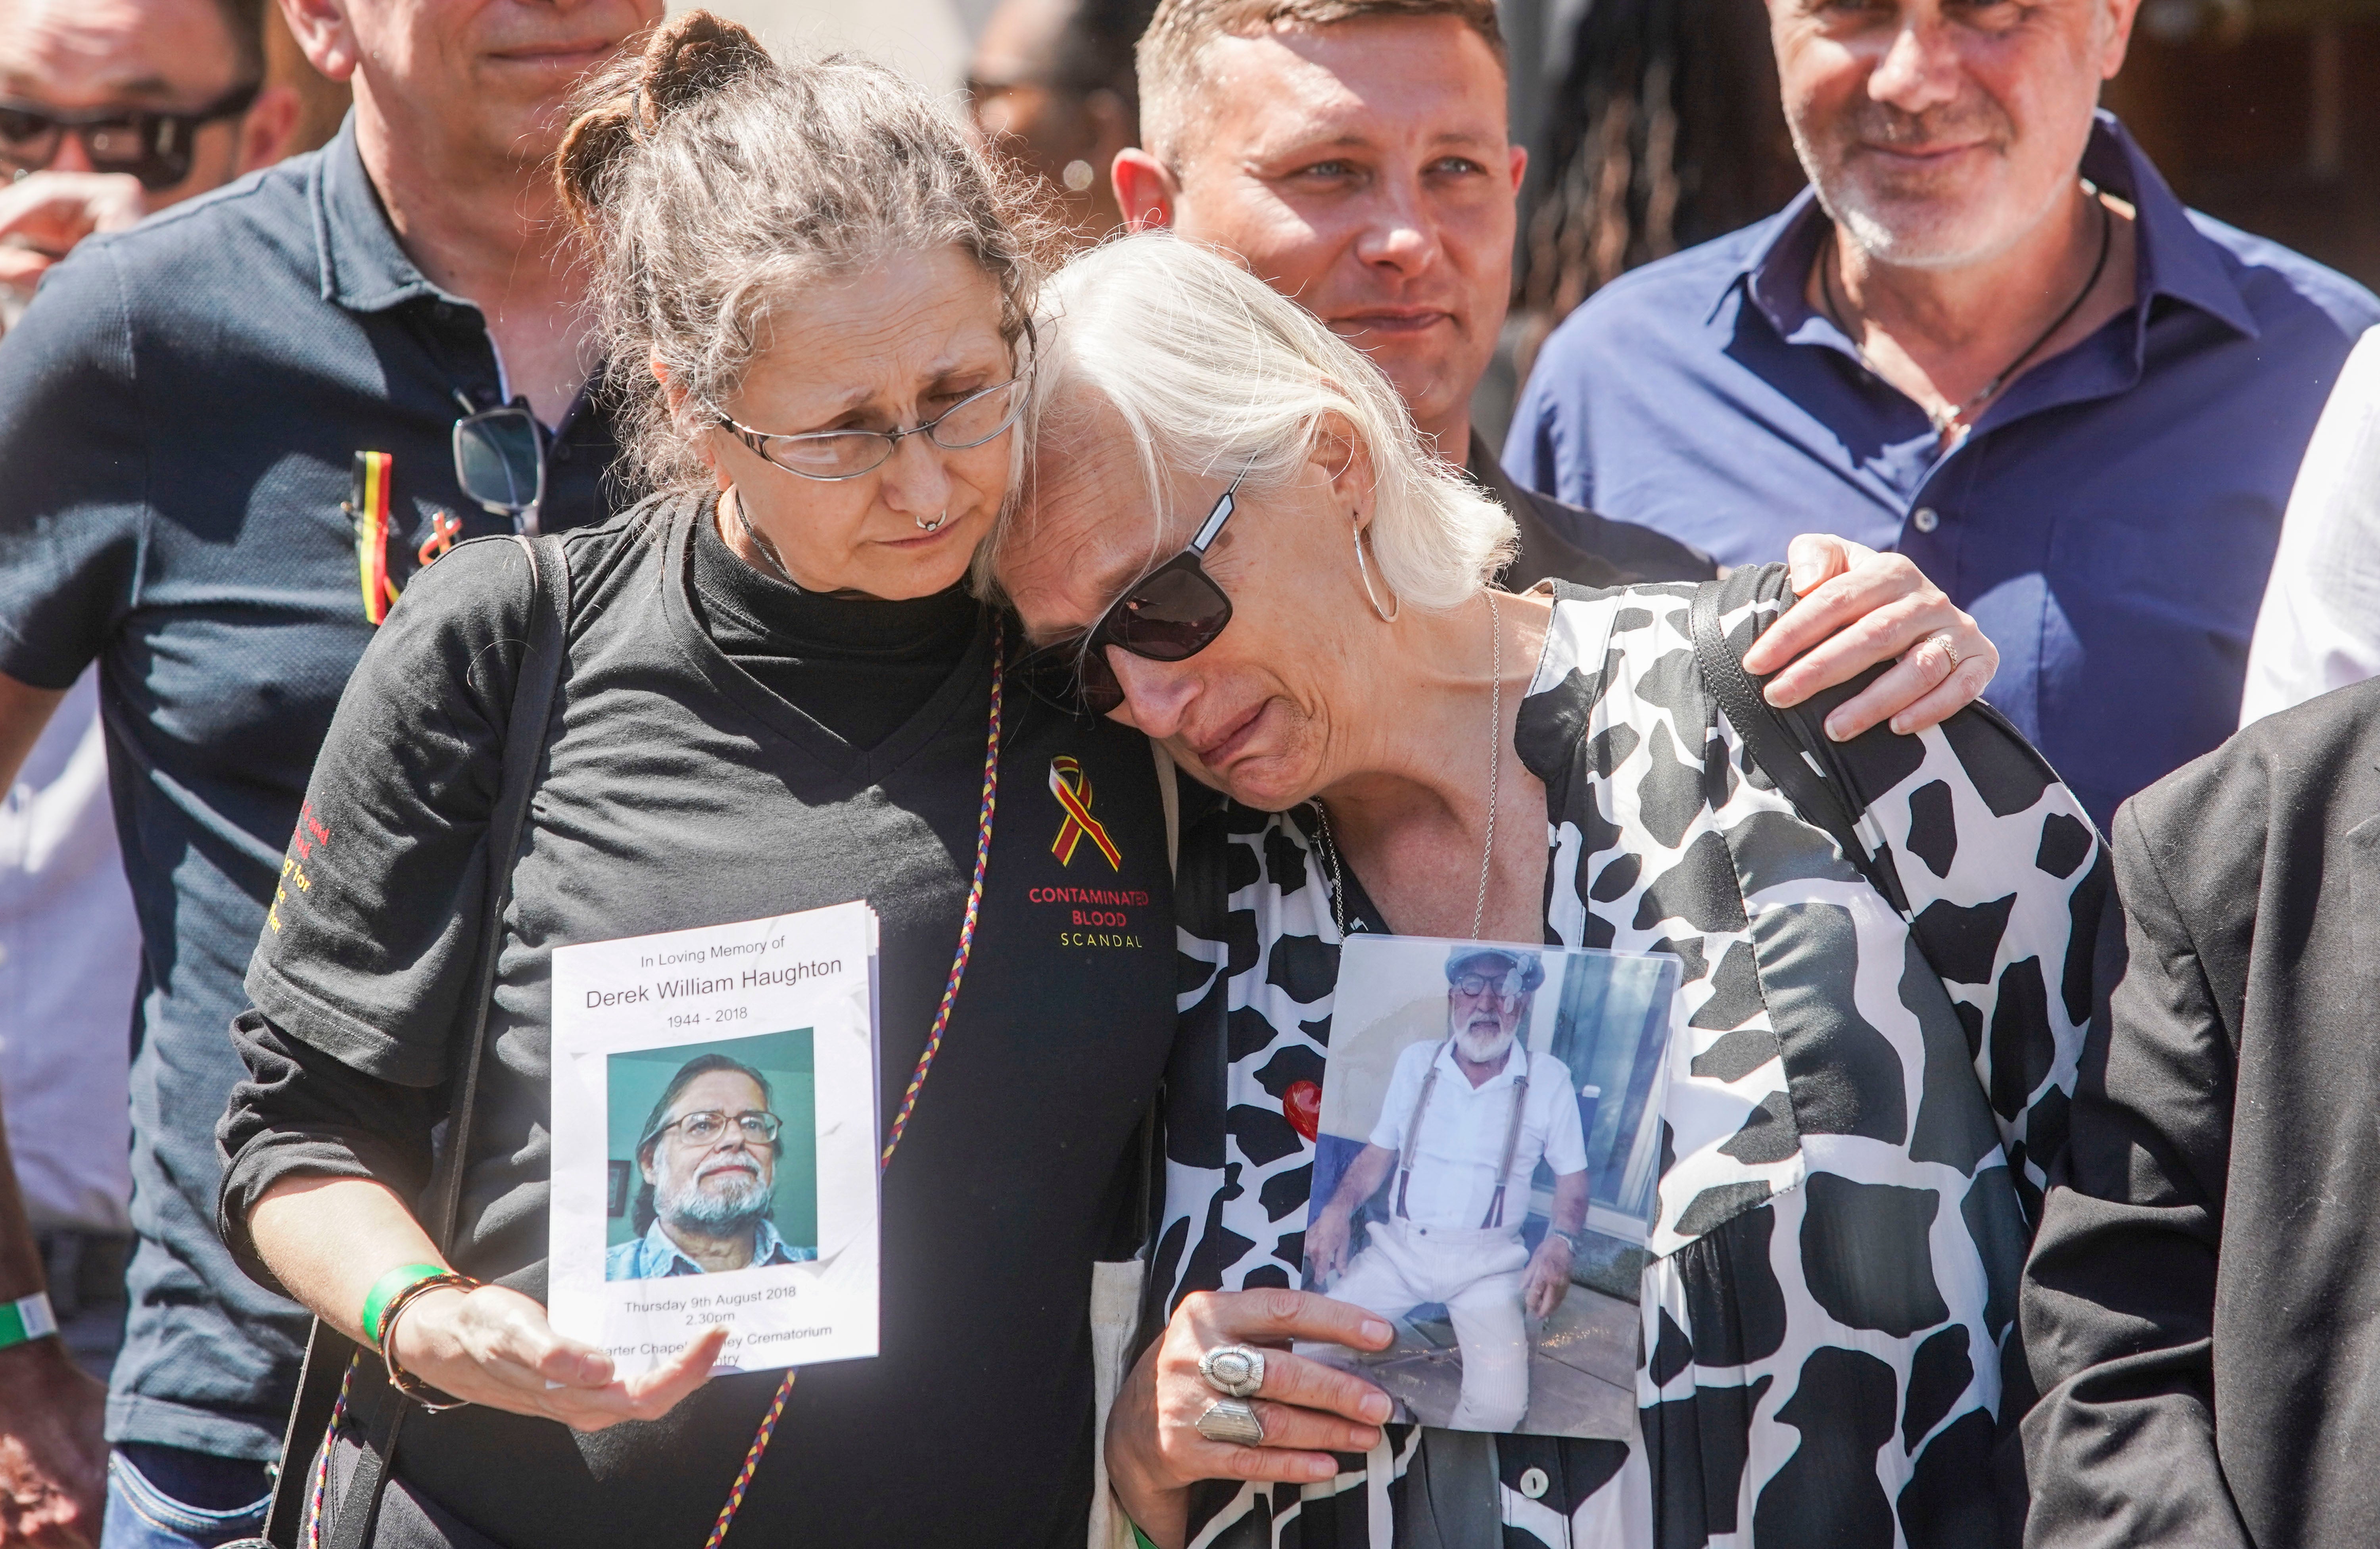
[{"x": 1211, "y": 371}]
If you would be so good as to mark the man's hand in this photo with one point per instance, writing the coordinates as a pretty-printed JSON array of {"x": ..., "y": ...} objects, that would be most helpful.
[
  {"x": 1857, "y": 608},
  {"x": 52, "y": 1457},
  {"x": 1548, "y": 1280},
  {"x": 43, "y": 216},
  {"x": 1326, "y": 1242}
]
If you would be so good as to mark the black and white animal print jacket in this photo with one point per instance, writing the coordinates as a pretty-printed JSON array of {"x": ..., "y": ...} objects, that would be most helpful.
[{"x": 1857, "y": 1131}]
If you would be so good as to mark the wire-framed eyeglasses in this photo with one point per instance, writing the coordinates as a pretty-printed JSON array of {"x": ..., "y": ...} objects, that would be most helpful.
[
  {"x": 706, "y": 1125},
  {"x": 981, "y": 416}
]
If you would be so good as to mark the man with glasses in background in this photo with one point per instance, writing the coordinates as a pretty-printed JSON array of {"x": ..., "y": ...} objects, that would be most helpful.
[
  {"x": 232, "y": 434},
  {"x": 109, "y": 109},
  {"x": 112, "y": 109}
]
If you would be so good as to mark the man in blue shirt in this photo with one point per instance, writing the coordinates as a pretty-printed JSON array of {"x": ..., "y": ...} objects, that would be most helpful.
[
  {"x": 1991, "y": 337},
  {"x": 184, "y": 411}
]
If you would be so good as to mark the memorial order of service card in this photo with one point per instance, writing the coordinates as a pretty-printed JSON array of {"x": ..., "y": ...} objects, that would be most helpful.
[{"x": 715, "y": 1142}]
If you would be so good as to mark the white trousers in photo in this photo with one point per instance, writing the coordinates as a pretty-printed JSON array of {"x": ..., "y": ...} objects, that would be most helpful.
[{"x": 1476, "y": 1273}]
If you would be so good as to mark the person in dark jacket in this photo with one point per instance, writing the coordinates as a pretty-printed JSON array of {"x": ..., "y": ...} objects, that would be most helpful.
[{"x": 2202, "y": 1309}]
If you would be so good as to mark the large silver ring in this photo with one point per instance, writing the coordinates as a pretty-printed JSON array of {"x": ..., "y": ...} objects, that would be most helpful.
[
  {"x": 1237, "y": 1370},
  {"x": 934, "y": 526},
  {"x": 1232, "y": 1422}
]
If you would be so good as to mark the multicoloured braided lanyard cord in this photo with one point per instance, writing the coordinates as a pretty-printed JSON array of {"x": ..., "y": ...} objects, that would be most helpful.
[
  {"x": 925, "y": 1060},
  {"x": 760, "y": 1438}
]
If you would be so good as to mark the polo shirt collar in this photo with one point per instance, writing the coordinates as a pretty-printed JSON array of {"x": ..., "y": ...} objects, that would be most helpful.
[
  {"x": 2175, "y": 259},
  {"x": 364, "y": 269}
]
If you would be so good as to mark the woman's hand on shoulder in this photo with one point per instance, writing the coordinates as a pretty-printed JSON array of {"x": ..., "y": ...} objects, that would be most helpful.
[
  {"x": 494, "y": 1346},
  {"x": 1307, "y": 1410},
  {"x": 1855, "y": 608}
]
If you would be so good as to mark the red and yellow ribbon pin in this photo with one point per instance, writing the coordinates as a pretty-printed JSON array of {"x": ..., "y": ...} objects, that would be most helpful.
[
  {"x": 370, "y": 508},
  {"x": 1072, "y": 789}
]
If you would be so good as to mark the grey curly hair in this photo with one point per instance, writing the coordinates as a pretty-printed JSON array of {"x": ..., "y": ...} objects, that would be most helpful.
[{"x": 710, "y": 179}]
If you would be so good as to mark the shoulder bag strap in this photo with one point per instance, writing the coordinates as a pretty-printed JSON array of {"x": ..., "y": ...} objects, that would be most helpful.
[
  {"x": 543, "y": 662},
  {"x": 1780, "y": 754}
]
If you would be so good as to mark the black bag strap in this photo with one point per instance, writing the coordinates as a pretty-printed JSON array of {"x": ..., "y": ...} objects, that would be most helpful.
[
  {"x": 329, "y": 1354},
  {"x": 1783, "y": 746}
]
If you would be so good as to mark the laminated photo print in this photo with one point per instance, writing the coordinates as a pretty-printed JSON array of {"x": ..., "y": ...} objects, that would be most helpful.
[
  {"x": 1484, "y": 1175},
  {"x": 714, "y": 1141}
]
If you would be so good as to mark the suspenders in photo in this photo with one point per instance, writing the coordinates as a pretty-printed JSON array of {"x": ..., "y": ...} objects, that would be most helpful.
[{"x": 1495, "y": 1217}]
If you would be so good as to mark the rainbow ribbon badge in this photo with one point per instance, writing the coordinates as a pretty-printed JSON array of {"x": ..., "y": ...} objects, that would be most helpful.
[
  {"x": 1072, "y": 789},
  {"x": 369, "y": 508}
]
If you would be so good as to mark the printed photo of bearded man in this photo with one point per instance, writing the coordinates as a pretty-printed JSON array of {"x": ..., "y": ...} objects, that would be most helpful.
[
  {"x": 1458, "y": 1139},
  {"x": 709, "y": 1156}
]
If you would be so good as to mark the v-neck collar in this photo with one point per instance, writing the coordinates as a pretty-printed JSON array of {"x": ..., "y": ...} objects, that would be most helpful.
[{"x": 968, "y": 684}]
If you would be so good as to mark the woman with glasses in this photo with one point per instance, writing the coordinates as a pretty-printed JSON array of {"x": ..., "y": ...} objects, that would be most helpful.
[
  {"x": 778, "y": 695},
  {"x": 1236, "y": 541}
]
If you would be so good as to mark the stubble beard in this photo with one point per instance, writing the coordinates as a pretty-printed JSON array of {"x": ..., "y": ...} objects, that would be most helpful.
[{"x": 1913, "y": 230}]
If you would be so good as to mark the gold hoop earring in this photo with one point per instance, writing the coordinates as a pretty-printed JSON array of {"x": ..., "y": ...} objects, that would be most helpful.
[{"x": 1365, "y": 574}]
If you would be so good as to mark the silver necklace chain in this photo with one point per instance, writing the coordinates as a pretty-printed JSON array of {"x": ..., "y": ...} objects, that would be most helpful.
[
  {"x": 1495, "y": 766},
  {"x": 1950, "y": 414}
]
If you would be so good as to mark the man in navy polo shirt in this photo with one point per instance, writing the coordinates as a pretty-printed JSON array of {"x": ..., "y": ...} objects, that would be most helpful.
[
  {"x": 185, "y": 411},
  {"x": 1991, "y": 337}
]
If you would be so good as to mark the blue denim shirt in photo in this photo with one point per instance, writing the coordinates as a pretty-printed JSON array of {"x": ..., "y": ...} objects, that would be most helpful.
[{"x": 654, "y": 1256}]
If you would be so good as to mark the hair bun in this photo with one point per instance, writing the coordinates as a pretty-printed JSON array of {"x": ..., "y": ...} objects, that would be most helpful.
[{"x": 691, "y": 56}]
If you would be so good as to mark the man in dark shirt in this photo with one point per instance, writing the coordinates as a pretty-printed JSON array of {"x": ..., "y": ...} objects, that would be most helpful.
[
  {"x": 1355, "y": 158},
  {"x": 2202, "y": 1309},
  {"x": 1990, "y": 337},
  {"x": 183, "y": 412}
]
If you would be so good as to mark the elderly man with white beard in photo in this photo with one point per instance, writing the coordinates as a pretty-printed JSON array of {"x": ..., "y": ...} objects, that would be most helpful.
[
  {"x": 1988, "y": 337},
  {"x": 1467, "y": 1120},
  {"x": 709, "y": 1156}
]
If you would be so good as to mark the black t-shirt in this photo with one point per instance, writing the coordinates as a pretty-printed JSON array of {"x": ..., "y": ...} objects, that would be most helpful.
[
  {"x": 680, "y": 791},
  {"x": 860, "y": 666}
]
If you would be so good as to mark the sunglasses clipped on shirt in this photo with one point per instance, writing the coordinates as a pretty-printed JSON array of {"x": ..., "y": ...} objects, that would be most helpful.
[
  {"x": 1169, "y": 615},
  {"x": 500, "y": 460},
  {"x": 154, "y": 146}
]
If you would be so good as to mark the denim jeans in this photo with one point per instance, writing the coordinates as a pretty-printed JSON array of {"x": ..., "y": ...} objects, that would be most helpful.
[{"x": 172, "y": 1499}]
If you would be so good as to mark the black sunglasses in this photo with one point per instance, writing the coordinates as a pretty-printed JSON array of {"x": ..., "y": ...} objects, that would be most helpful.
[
  {"x": 153, "y": 146},
  {"x": 1169, "y": 615},
  {"x": 500, "y": 460}
]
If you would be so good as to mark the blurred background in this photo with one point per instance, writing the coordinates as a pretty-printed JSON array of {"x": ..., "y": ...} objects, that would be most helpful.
[{"x": 1653, "y": 125}]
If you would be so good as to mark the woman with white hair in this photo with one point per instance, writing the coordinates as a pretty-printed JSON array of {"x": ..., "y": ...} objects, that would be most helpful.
[{"x": 1234, "y": 544}]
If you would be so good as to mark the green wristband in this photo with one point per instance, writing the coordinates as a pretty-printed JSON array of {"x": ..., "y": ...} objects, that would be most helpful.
[
  {"x": 384, "y": 1290},
  {"x": 26, "y": 1320}
]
